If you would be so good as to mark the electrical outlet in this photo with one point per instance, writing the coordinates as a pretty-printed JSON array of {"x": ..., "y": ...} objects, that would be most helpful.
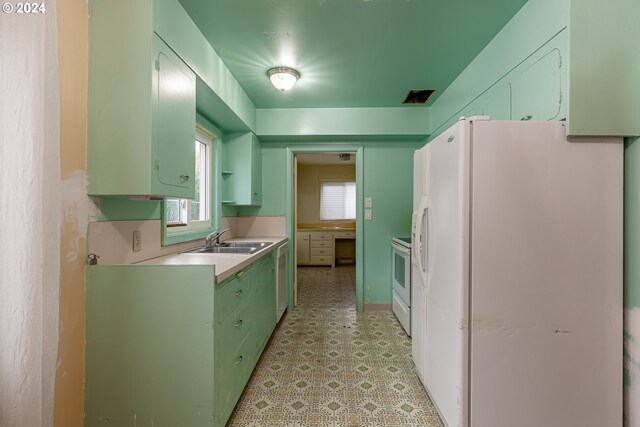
[
  {"x": 368, "y": 202},
  {"x": 367, "y": 214},
  {"x": 137, "y": 241}
]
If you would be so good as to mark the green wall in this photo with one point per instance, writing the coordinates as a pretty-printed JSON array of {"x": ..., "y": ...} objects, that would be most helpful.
[
  {"x": 122, "y": 209},
  {"x": 353, "y": 123},
  {"x": 388, "y": 180}
]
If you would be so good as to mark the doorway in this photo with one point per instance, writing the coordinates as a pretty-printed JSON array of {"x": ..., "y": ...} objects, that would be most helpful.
[{"x": 325, "y": 208}]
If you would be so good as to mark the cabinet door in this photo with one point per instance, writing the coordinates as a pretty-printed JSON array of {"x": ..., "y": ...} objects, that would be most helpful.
[
  {"x": 302, "y": 246},
  {"x": 242, "y": 162},
  {"x": 256, "y": 171},
  {"x": 266, "y": 299},
  {"x": 536, "y": 90},
  {"x": 175, "y": 121},
  {"x": 149, "y": 338},
  {"x": 496, "y": 102}
]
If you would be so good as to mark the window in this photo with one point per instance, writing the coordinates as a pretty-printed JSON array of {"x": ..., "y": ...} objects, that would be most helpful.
[
  {"x": 337, "y": 201},
  {"x": 185, "y": 215}
]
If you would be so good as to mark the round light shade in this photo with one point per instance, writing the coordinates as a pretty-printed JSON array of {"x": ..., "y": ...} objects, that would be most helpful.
[{"x": 283, "y": 78}]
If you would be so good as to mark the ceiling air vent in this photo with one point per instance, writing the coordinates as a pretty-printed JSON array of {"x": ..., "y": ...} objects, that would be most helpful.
[{"x": 418, "y": 96}]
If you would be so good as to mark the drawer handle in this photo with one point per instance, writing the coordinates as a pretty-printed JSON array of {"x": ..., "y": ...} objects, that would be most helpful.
[
  {"x": 239, "y": 275},
  {"x": 184, "y": 177},
  {"x": 239, "y": 293},
  {"x": 239, "y": 360},
  {"x": 239, "y": 323}
]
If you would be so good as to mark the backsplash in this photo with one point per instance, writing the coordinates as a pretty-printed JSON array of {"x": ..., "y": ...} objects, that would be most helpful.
[
  {"x": 261, "y": 226},
  {"x": 112, "y": 241}
]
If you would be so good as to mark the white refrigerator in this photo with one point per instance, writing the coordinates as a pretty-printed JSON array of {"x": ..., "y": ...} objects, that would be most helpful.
[{"x": 517, "y": 275}]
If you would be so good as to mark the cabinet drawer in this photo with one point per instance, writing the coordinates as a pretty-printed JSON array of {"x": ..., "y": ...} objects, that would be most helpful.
[
  {"x": 321, "y": 260},
  {"x": 344, "y": 235},
  {"x": 232, "y": 293},
  {"x": 321, "y": 243},
  {"x": 320, "y": 235},
  {"x": 321, "y": 252},
  {"x": 234, "y": 330},
  {"x": 231, "y": 377}
]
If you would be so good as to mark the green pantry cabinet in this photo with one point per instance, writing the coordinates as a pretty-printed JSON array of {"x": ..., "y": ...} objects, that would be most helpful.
[
  {"x": 242, "y": 170},
  {"x": 167, "y": 346},
  {"x": 142, "y": 109}
]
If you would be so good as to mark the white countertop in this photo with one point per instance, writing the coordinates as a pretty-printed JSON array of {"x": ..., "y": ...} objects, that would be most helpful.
[{"x": 225, "y": 265}]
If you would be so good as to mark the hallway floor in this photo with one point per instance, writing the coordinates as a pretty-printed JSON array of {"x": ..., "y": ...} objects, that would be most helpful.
[{"x": 327, "y": 365}]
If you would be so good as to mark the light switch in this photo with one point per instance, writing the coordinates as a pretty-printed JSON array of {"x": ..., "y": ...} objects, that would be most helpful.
[
  {"x": 137, "y": 241},
  {"x": 367, "y": 202},
  {"x": 367, "y": 214}
]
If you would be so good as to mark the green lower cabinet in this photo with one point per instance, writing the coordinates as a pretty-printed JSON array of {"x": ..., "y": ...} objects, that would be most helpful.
[
  {"x": 149, "y": 346},
  {"x": 241, "y": 335},
  {"x": 166, "y": 346},
  {"x": 234, "y": 293},
  {"x": 233, "y": 370}
]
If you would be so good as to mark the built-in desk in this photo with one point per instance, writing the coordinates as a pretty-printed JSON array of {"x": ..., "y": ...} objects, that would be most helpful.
[
  {"x": 321, "y": 245},
  {"x": 344, "y": 247}
]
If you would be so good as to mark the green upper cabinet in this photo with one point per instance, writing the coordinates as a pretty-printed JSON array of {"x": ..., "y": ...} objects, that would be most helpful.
[
  {"x": 573, "y": 60},
  {"x": 604, "y": 68},
  {"x": 536, "y": 86},
  {"x": 175, "y": 101},
  {"x": 142, "y": 107},
  {"x": 496, "y": 102},
  {"x": 242, "y": 170}
]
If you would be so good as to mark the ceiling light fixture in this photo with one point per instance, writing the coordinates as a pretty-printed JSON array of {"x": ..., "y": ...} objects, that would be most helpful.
[{"x": 283, "y": 78}]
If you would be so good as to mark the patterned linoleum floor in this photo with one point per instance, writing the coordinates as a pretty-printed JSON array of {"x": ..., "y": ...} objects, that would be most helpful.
[{"x": 327, "y": 365}]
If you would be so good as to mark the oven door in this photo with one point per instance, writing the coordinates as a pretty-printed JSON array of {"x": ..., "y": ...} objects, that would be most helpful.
[{"x": 401, "y": 273}]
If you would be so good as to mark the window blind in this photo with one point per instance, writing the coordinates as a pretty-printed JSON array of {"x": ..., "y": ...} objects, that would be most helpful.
[{"x": 337, "y": 201}]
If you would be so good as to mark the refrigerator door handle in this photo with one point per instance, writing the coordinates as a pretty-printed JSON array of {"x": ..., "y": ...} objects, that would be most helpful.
[
  {"x": 424, "y": 243},
  {"x": 422, "y": 240},
  {"x": 416, "y": 254},
  {"x": 427, "y": 236}
]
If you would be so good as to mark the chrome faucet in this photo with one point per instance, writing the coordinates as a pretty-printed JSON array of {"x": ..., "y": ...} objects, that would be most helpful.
[{"x": 215, "y": 234}]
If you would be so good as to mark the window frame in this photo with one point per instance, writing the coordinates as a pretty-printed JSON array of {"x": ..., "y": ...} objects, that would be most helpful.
[
  {"x": 337, "y": 180},
  {"x": 195, "y": 230}
]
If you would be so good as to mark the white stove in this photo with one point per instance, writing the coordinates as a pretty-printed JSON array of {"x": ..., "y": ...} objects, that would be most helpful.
[{"x": 401, "y": 281}]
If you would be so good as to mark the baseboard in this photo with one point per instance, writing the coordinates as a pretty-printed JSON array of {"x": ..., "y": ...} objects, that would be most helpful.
[{"x": 376, "y": 307}]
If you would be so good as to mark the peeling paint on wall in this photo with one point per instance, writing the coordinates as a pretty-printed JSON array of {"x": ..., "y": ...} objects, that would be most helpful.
[{"x": 78, "y": 209}]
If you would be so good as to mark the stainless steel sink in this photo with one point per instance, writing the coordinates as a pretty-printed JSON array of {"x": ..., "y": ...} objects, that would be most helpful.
[
  {"x": 224, "y": 250},
  {"x": 258, "y": 245},
  {"x": 232, "y": 248}
]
